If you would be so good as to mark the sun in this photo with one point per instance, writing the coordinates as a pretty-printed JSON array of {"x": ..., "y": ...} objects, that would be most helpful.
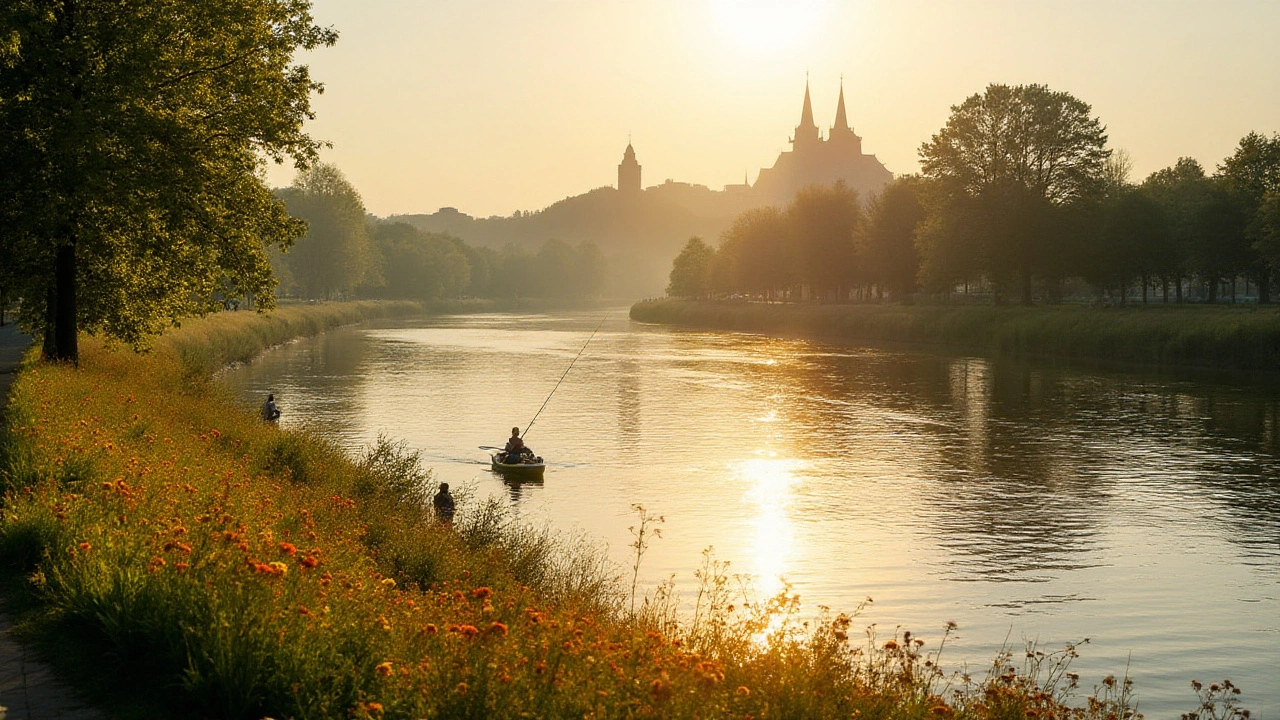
[{"x": 763, "y": 26}]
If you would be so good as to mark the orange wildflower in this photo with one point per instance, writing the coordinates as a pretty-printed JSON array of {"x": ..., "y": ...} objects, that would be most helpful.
[
  {"x": 481, "y": 593},
  {"x": 288, "y": 549},
  {"x": 462, "y": 688},
  {"x": 384, "y": 669},
  {"x": 498, "y": 628}
]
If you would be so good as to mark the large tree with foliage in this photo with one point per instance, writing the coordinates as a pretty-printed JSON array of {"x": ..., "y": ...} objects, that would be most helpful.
[
  {"x": 334, "y": 257},
  {"x": 131, "y": 137},
  {"x": 690, "y": 271},
  {"x": 1251, "y": 172},
  {"x": 1009, "y": 158},
  {"x": 888, "y": 240},
  {"x": 823, "y": 221}
]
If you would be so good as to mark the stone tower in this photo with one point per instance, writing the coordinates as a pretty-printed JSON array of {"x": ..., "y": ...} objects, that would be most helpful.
[{"x": 629, "y": 172}]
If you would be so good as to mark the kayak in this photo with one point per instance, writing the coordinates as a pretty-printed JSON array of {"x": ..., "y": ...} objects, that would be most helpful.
[{"x": 520, "y": 468}]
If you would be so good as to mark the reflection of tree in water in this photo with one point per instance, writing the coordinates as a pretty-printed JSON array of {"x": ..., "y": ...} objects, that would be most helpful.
[{"x": 628, "y": 373}]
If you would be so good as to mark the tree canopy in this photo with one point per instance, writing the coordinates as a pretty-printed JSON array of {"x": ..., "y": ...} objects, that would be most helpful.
[{"x": 132, "y": 133}]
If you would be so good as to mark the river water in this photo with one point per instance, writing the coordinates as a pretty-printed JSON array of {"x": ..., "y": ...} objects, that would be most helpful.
[{"x": 1023, "y": 501}]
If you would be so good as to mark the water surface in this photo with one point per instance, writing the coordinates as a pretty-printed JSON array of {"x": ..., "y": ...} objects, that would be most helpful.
[{"x": 1021, "y": 500}]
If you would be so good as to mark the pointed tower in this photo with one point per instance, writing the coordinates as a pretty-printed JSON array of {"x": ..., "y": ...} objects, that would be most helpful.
[
  {"x": 806, "y": 132},
  {"x": 629, "y": 172},
  {"x": 842, "y": 136}
]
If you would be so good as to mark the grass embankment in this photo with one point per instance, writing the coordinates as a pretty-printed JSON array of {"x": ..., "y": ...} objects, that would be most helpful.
[
  {"x": 1245, "y": 337},
  {"x": 226, "y": 568}
]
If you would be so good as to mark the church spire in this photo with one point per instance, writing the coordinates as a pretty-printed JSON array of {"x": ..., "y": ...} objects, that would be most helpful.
[
  {"x": 807, "y": 135},
  {"x": 806, "y": 115},
  {"x": 842, "y": 122}
]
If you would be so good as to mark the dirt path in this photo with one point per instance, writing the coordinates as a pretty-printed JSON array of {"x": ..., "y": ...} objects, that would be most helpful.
[{"x": 28, "y": 689}]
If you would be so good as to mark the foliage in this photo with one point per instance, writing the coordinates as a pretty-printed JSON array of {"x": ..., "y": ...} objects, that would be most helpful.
[
  {"x": 131, "y": 136},
  {"x": 420, "y": 265},
  {"x": 888, "y": 239},
  {"x": 334, "y": 257},
  {"x": 690, "y": 271},
  {"x": 1011, "y": 159}
]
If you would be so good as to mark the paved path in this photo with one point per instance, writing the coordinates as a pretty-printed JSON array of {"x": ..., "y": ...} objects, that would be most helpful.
[{"x": 28, "y": 689}]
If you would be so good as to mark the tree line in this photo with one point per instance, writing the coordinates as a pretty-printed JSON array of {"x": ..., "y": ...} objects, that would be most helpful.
[
  {"x": 1018, "y": 198},
  {"x": 348, "y": 253}
]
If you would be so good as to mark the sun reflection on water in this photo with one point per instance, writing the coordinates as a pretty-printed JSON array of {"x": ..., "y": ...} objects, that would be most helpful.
[{"x": 770, "y": 482}]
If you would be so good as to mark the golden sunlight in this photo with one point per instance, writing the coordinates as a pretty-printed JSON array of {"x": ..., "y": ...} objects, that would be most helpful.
[
  {"x": 757, "y": 26},
  {"x": 770, "y": 481}
]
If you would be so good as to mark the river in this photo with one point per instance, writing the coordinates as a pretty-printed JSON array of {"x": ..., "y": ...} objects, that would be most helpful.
[{"x": 1024, "y": 501}]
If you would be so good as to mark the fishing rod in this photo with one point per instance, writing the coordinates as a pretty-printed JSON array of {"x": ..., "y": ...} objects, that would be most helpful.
[{"x": 566, "y": 373}]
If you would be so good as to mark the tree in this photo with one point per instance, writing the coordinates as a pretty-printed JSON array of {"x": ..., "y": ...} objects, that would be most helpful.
[
  {"x": 1265, "y": 228},
  {"x": 1128, "y": 246},
  {"x": 420, "y": 265},
  {"x": 1251, "y": 172},
  {"x": 334, "y": 256},
  {"x": 131, "y": 136},
  {"x": 1179, "y": 190},
  {"x": 1020, "y": 152},
  {"x": 823, "y": 221},
  {"x": 764, "y": 259},
  {"x": 690, "y": 270},
  {"x": 889, "y": 237}
]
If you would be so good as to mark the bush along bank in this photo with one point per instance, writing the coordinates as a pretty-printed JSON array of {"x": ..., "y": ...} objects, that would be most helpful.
[
  {"x": 231, "y": 569},
  {"x": 1240, "y": 338}
]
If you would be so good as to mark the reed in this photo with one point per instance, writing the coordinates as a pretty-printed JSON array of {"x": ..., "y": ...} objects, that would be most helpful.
[
  {"x": 231, "y": 569},
  {"x": 1244, "y": 337}
]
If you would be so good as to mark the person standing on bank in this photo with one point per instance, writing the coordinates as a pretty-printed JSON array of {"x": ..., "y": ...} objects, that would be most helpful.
[
  {"x": 443, "y": 502},
  {"x": 270, "y": 413}
]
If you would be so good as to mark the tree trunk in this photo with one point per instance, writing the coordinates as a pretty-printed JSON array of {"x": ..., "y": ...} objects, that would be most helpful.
[
  {"x": 1233, "y": 290},
  {"x": 50, "y": 310},
  {"x": 1264, "y": 288},
  {"x": 1164, "y": 287},
  {"x": 1177, "y": 289},
  {"x": 1145, "y": 281},
  {"x": 65, "y": 347}
]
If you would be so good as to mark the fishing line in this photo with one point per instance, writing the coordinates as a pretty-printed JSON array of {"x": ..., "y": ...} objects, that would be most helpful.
[{"x": 566, "y": 372}]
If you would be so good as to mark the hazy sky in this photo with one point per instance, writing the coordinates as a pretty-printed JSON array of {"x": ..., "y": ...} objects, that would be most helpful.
[{"x": 493, "y": 106}]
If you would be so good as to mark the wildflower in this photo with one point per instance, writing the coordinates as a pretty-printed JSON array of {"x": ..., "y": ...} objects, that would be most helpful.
[
  {"x": 288, "y": 549},
  {"x": 279, "y": 567},
  {"x": 951, "y": 625},
  {"x": 498, "y": 628},
  {"x": 85, "y": 547},
  {"x": 384, "y": 669},
  {"x": 382, "y": 620},
  {"x": 891, "y": 646},
  {"x": 303, "y": 611},
  {"x": 309, "y": 561},
  {"x": 468, "y": 631},
  {"x": 462, "y": 688},
  {"x": 181, "y": 567},
  {"x": 430, "y": 629},
  {"x": 481, "y": 593},
  {"x": 388, "y": 583},
  {"x": 155, "y": 564},
  {"x": 743, "y": 690},
  {"x": 504, "y": 678},
  {"x": 373, "y": 708}
]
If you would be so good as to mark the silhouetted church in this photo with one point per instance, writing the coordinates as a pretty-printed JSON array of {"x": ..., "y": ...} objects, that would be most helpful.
[{"x": 813, "y": 160}]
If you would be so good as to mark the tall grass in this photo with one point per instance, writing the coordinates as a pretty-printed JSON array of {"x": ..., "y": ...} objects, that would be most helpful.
[
  {"x": 1246, "y": 337},
  {"x": 230, "y": 569}
]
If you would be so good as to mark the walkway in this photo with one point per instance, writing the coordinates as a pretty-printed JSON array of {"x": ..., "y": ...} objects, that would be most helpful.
[{"x": 28, "y": 689}]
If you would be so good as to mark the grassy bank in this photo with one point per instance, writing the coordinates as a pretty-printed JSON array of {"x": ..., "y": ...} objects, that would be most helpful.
[
  {"x": 1245, "y": 338},
  {"x": 230, "y": 569}
]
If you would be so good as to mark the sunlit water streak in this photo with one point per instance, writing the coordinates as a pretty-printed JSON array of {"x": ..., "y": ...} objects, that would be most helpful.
[{"x": 1020, "y": 500}]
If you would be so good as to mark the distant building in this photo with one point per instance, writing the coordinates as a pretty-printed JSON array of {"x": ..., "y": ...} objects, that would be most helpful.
[
  {"x": 812, "y": 160},
  {"x": 629, "y": 172}
]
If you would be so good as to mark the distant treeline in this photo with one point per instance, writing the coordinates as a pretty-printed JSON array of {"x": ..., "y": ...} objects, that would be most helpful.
[
  {"x": 1019, "y": 198},
  {"x": 348, "y": 253}
]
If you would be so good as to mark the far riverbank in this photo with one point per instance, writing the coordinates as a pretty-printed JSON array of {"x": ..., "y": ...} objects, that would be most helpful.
[{"x": 1238, "y": 338}]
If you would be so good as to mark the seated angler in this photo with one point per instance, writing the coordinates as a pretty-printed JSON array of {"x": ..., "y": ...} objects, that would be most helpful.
[{"x": 516, "y": 450}]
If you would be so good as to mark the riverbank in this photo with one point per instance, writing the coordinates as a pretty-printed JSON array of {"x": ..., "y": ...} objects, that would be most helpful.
[
  {"x": 231, "y": 569},
  {"x": 1240, "y": 338}
]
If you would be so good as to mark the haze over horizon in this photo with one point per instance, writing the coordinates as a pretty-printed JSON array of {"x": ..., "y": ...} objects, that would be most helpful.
[{"x": 506, "y": 105}]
